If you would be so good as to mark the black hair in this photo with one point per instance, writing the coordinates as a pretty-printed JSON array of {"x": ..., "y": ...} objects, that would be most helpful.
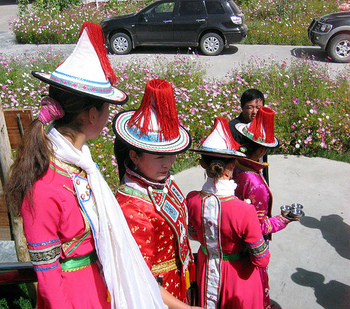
[{"x": 250, "y": 95}]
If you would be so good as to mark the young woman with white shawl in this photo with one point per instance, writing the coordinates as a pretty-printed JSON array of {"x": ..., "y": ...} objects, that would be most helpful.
[{"x": 79, "y": 243}]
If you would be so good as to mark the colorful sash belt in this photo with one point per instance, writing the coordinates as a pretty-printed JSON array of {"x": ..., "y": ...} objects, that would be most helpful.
[
  {"x": 230, "y": 257},
  {"x": 79, "y": 262}
]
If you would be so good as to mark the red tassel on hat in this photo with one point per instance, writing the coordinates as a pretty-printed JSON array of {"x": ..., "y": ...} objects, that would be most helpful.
[
  {"x": 263, "y": 125},
  {"x": 97, "y": 40},
  {"x": 158, "y": 96}
]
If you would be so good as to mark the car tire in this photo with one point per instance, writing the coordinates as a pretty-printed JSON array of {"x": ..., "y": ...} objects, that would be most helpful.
[
  {"x": 212, "y": 44},
  {"x": 120, "y": 44},
  {"x": 338, "y": 48}
]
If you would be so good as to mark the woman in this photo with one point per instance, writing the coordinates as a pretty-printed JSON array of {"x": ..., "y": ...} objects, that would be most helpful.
[
  {"x": 232, "y": 245},
  {"x": 251, "y": 185},
  {"x": 147, "y": 141},
  {"x": 81, "y": 260}
]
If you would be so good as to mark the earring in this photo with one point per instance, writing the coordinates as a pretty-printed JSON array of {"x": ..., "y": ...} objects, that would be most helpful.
[{"x": 136, "y": 167}]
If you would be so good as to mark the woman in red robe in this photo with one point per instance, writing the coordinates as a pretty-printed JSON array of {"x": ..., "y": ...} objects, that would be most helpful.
[
  {"x": 147, "y": 141},
  {"x": 232, "y": 246}
]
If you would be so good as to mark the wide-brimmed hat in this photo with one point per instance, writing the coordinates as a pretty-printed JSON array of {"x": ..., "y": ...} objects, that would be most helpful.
[
  {"x": 262, "y": 128},
  {"x": 154, "y": 127},
  {"x": 87, "y": 71},
  {"x": 219, "y": 142}
]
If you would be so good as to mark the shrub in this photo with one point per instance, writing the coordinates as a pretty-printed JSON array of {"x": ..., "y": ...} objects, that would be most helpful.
[{"x": 312, "y": 110}]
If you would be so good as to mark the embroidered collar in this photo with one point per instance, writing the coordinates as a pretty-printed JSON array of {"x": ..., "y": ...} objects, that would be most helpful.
[
  {"x": 136, "y": 180},
  {"x": 221, "y": 187}
]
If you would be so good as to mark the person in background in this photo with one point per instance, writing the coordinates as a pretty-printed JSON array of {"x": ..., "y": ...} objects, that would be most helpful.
[
  {"x": 79, "y": 243},
  {"x": 232, "y": 246},
  {"x": 147, "y": 141},
  {"x": 257, "y": 137},
  {"x": 251, "y": 101}
]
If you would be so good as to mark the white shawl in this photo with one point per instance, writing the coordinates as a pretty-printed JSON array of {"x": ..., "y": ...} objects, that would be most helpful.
[{"x": 128, "y": 278}]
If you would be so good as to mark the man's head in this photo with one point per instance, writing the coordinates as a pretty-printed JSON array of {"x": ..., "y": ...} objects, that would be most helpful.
[{"x": 251, "y": 101}]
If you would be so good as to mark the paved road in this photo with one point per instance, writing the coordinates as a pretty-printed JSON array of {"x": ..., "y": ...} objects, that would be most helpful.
[
  {"x": 310, "y": 261},
  {"x": 217, "y": 67}
]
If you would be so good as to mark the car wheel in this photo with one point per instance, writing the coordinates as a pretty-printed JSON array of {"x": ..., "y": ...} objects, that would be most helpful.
[
  {"x": 212, "y": 44},
  {"x": 120, "y": 44},
  {"x": 339, "y": 48}
]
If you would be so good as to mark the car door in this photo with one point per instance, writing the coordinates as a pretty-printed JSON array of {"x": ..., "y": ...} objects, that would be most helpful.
[
  {"x": 155, "y": 25},
  {"x": 190, "y": 17}
]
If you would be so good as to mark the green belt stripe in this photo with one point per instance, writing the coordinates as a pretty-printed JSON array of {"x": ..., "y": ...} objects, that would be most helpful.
[
  {"x": 230, "y": 257},
  {"x": 75, "y": 263}
]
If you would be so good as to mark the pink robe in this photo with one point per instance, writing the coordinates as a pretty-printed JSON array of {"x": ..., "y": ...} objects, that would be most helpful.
[
  {"x": 55, "y": 230},
  {"x": 252, "y": 185},
  {"x": 232, "y": 250}
]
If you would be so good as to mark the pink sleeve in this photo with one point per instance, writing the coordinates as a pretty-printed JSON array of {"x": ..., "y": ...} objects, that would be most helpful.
[
  {"x": 273, "y": 224},
  {"x": 252, "y": 187},
  {"x": 41, "y": 230}
]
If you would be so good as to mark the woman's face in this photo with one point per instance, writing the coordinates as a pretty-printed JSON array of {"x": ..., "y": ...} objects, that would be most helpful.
[{"x": 153, "y": 167}]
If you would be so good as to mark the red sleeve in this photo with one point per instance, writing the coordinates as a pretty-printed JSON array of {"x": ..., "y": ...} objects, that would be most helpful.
[
  {"x": 140, "y": 226},
  {"x": 192, "y": 215},
  {"x": 41, "y": 228},
  {"x": 254, "y": 240}
]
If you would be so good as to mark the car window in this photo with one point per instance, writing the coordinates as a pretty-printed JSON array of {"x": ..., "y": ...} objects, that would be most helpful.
[
  {"x": 167, "y": 7},
  {"x": 214, "y": 7},
  {"x": 189, "y": 7},
  {"x": 161, "y": 11}
]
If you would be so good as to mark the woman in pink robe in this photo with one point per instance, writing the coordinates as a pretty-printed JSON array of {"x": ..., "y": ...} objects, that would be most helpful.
[{"x": 251, "y": 184}]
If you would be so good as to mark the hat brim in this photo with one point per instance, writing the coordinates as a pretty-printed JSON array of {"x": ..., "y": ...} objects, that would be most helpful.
[
  {"x": 145, "y": 143},
  {"x": 116, "y": 96},
  {"x": 241, "y": 126},
  {"x": 218, "y": 153}
]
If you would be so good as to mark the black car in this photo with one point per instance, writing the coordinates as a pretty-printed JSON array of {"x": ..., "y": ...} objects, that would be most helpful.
[
  {"x": 332, "y": 33},
  {"x": 210, "y": 24}
]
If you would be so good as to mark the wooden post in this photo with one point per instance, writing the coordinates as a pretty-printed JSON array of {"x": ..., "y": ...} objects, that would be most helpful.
[{"x": 5, "y": 164}]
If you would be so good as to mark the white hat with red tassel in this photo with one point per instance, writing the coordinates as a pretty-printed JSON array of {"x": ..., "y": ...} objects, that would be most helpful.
[{"x": 87, "y": 71}]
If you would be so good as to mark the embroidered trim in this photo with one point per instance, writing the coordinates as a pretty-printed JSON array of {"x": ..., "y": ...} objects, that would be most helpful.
[
  {"x": 164, "y": 267},
  {"x": 131, "y": 191},
  {"x": 45, "y": 243},
  {"x": 45, "y": 256},
  {"x": 65, "y": 168},
  {"x": 258, "y": 249}
]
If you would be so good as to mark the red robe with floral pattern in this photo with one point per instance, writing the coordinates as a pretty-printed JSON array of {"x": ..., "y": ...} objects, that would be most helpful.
[
  {"x": 252, "y": 185},
  {"x": 57, "y": 229},
  {"x": 165, "y": 250}
]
